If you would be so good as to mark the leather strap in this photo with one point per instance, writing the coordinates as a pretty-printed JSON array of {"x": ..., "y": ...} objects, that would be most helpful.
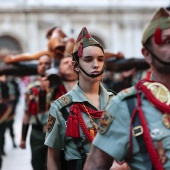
[
  {"x": 140, "y": 138},
  {"x": 77, "y": 141}
]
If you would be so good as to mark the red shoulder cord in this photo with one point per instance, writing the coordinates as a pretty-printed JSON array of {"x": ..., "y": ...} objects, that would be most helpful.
[
  {"x": 75, "y": 118},
  {"x": 147, "y": 138},
  {"x": 61, "y": 91},
  {"x": 33, "y": 106}
]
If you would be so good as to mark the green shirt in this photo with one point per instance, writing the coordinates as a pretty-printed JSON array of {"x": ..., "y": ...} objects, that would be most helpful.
[
  {"x": 115, "y": 140},
  {"x": 56, "y": 137}
]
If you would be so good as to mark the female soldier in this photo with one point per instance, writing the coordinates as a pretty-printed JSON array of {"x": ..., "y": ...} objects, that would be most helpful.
[{"x": 73, "y": 118}]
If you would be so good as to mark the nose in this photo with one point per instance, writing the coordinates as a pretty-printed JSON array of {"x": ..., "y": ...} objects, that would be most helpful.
[{"x": 95, "y": 64}]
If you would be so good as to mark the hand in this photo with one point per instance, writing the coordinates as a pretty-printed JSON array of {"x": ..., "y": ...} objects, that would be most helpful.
[
  {"x": 8, "y": 59},
  {"x": 22, "y": 144},
  {"x": 119, "y": 166}
]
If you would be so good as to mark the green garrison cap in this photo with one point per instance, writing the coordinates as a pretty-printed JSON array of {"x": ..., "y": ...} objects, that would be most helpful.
[
  {"x": 160, "y": 21},
  {"x": 84, "y": 40}
]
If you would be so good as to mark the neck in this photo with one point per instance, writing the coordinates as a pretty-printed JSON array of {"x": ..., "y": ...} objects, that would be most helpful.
[
  {"x": 163, "y": 78},
  {"x": 69, "y": 84},
  {"x": 70, "y": 78},
  {"x": 89, "y": 88}
]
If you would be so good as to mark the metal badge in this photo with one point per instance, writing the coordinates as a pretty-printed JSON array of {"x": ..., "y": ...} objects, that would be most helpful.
[
  {"x": 156, "y": 133},
  {"x": 159, "y": 91}
]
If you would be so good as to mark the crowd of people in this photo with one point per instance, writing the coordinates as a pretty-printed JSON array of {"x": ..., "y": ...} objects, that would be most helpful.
[{"x": 81, "y": 118}]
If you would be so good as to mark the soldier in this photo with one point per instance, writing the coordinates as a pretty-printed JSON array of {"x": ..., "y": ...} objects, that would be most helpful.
[
  {"x": 68, "y": 76},
  {"x": 136, "y": 123},
  {"x": 10, "y": 120},
  {"x": 37, "y": 102},
  {"x": 5, "y": 110},
  {"x": 6, "y": 97},
  {"x": 72, "y": 121}
]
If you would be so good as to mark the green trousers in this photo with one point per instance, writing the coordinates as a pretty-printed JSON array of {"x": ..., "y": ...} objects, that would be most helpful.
[{"x": 38, "y": 150}]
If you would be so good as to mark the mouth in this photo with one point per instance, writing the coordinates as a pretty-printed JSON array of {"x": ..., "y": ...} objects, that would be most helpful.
[{"x": 95, "y": 72}]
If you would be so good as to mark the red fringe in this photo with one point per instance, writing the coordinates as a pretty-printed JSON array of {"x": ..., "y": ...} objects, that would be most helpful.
[
  {"x": 32, "y": 107},
  {"x": 75, "y": 128},
  {"x": 75, "y": 118},
  {"x": 158, "y": 36}
]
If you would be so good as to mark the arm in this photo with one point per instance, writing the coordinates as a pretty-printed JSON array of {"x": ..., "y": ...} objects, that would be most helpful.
[
  {"x": 25, "y": 57},
  {"x": 25, "y": 126},
  {"x": 53, "y": 159},
  {"x": 98, "y": 160}
]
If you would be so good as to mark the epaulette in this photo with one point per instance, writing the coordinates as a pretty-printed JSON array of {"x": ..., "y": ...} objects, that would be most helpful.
[
  {"x": 111, "y": 91},
  {"x": 64, "y": 100},
  {"x": 127, "y": 93},
  {"x": 33, "y": 84}
]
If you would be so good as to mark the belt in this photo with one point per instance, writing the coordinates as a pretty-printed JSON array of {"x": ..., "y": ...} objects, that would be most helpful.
[{"x": 76, "y": 164}]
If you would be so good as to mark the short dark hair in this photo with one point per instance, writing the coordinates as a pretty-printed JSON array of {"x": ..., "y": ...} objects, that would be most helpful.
[{"x": 148, "y": 43}]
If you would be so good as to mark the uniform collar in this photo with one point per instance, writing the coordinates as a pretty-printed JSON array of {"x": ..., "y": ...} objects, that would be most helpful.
[{"x": 79, "y": 96}]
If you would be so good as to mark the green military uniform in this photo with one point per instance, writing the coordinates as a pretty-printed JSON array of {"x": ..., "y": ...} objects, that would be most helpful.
[
  {"x": 114, "y": 138},
  {"x": 14, "y": 91},
  {"x": 120, "y": 130},
  {"x": 6, "y": 91},
  {"x": 56, "y": 133},
  {"x": 38, "y": 120}
]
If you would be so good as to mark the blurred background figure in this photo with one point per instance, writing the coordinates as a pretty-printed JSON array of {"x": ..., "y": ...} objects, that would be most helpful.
[
  {"x": 7, "y": 98},
  {"x": 36, "y": 107},
  {"x": 14, "y": 86},
  {"x": 6, "y": 106}
]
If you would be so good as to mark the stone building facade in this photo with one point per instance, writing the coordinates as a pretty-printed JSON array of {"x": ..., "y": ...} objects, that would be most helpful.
[{"x": 117, "y": 24}]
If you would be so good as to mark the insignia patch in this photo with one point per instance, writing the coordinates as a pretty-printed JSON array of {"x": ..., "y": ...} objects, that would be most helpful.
[
  {"x": 50, "y": 123},
  {"x": 64, "y": 100},
  {"x": 105, "y": 122}
]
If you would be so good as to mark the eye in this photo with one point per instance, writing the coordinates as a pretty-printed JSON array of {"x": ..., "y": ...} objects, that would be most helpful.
[
  {"x": 101, "y": 59},
  {"x": 88, "y": 60},
  {"x": 166, "y": 41}
]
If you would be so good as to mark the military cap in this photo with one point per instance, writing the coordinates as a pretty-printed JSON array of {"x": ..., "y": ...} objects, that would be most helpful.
[
  {"x": 84, "y": 40},
  {"x": 160, "y": 21}
]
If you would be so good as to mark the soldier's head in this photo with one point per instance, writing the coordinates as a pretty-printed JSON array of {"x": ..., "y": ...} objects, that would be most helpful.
[
  {"x": 156, "y": 42},
  {"x": 88, "y": 57},
  {"x": 65, "y": 67},
  {"x": 44, "y": 63}
]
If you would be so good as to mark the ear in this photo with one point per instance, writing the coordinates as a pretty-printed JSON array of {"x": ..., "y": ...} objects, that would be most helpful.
[
  {"x": 147, "y": 55},
  {"x": 75, "y": 66}
]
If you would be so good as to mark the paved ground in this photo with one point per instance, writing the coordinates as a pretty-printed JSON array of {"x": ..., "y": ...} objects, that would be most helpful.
[{"x": 16, "y": 158}]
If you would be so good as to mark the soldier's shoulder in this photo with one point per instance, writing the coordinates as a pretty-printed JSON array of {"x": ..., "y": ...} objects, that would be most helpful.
[
  {"x": 128, "y": 92},
  {"x": 63, "y": 101},
  {"x": 33, "y": 84}
]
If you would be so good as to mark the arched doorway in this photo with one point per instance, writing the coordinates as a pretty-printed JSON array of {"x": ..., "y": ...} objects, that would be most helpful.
[{"x": 9, "y": 45}]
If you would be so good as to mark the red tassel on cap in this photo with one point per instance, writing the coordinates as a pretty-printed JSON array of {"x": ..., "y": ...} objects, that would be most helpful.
[
  {"x": 158, "y": 36},
  {"x": 80, "y": 50}
]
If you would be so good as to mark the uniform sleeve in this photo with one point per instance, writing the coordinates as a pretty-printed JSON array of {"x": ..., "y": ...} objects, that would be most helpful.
[
  {"x": 11, "y": 89},
  {"x": 56, "y": 128},
  {"x": 114, "y": 129},
  {"x": 26, "y": 98}
]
